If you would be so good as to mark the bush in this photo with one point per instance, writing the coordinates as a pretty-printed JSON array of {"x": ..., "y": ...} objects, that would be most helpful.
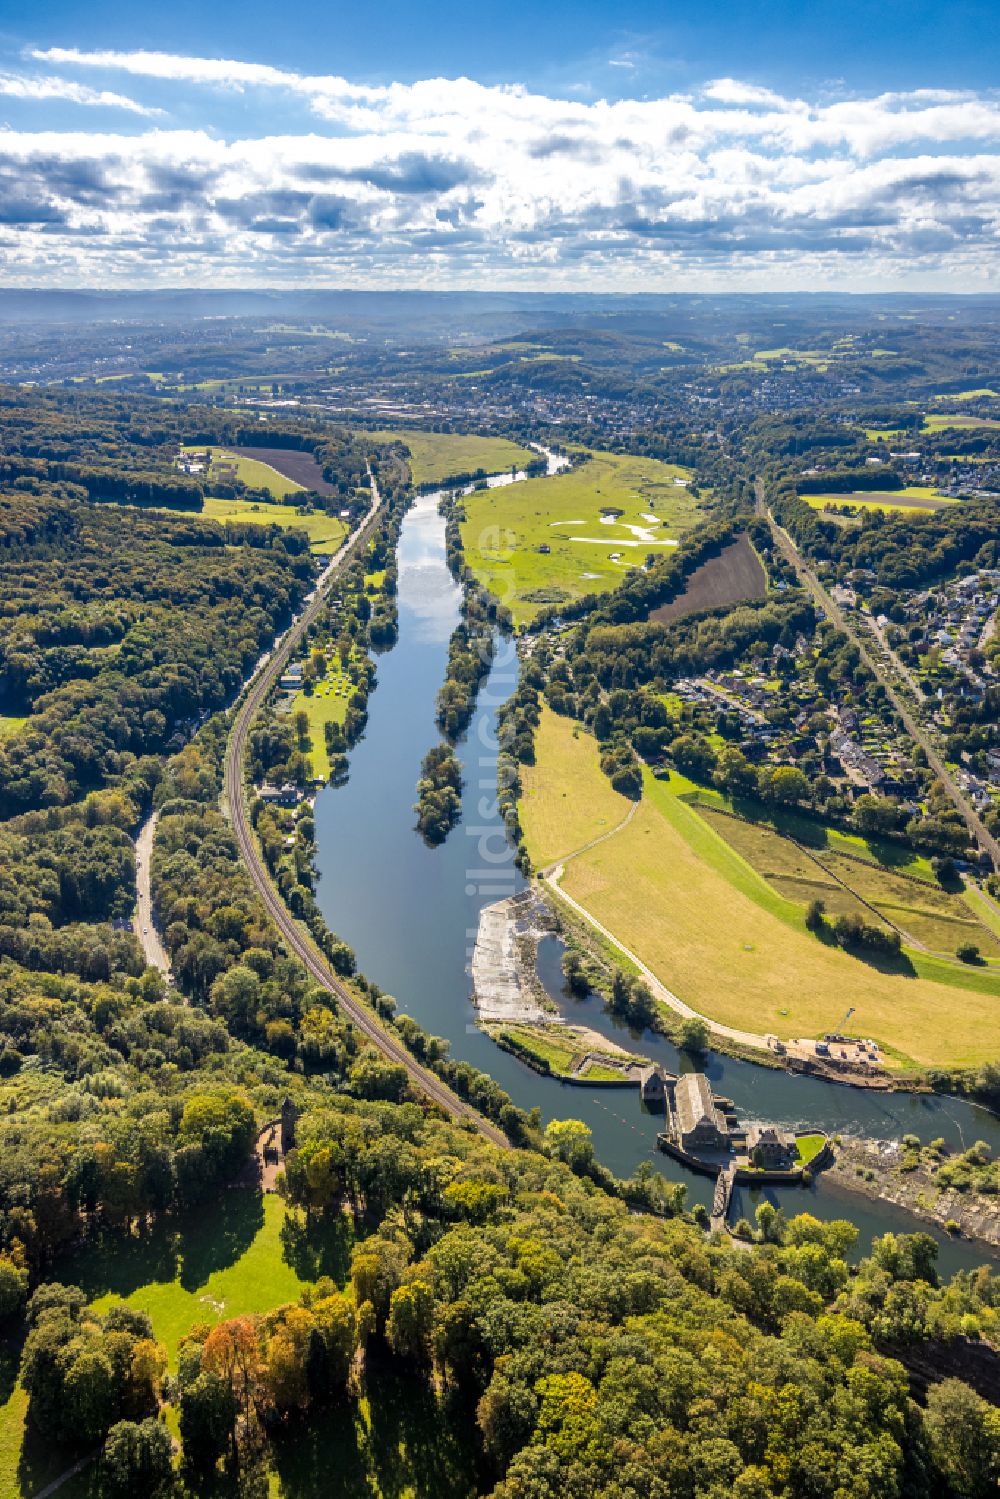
[{"x": 694, "y": 1035}]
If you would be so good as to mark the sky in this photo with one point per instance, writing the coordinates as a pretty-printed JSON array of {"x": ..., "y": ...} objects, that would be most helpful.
[{"x": 643, "y": 145}]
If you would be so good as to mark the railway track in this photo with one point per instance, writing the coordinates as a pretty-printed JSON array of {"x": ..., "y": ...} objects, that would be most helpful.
[
  {"x": 978, "y": 831},
  {"x": 299, "y": 941}
]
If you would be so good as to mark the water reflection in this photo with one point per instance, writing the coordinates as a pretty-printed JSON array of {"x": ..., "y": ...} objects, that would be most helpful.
[{"x": 411, "y": 913}]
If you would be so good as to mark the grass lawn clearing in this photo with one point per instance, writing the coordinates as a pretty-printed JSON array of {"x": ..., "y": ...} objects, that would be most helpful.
[
  {"x": 596, "y": 522},
  {"x": 10, "y": 723},
  {"x": 228, "y": 1263},
  {"x": 327, "y": 703},
  {"x": 438, "y": 456},
  {"x": 717, "y": 934},
  {"x": 808, "y": 1147},
  {"x": 566, "y": 801},
  {"x": 325, "y": 532}
]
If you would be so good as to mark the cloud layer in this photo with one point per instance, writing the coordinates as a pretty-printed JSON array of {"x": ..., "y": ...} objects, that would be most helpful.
[{"x": 451, "y": 182}]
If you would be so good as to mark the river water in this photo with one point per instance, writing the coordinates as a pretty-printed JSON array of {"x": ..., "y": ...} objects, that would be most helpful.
[{"x": 411, "y": 912}]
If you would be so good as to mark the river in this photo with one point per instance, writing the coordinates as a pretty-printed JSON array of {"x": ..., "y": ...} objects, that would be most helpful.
[{"x": 411, "y": 913}]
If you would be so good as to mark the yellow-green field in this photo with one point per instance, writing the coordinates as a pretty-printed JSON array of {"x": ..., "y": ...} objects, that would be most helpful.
[
  {"x": 915, "y": 498},
  {"x": 941, "y": 423},
  {"x": 255, "y": 1280},
  {"x": 937, "y": 919},
  {"x": 327, "y": 703},
  {"x": 225, "y": 466},
  {"x": 10, "y": 723},
  {"x": 566, "y": 800},
  {"x": 231, "y": 1263},
  {"x": 437, "y": 456},
  {"x": 588, "y": 551},
  {"x": 325, "y": 532},
  {"x": 724, "y": 940}
]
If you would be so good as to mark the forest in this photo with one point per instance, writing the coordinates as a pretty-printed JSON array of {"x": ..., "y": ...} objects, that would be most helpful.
[{"x": 561, "y": 1332}]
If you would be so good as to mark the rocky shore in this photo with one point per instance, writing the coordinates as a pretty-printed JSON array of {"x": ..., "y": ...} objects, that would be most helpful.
[{"x": 884, "y": 1169}]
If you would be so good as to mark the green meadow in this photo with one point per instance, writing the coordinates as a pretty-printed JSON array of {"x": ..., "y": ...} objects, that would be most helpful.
[
  {"x": 244, "y": 1255},
  {"x": 325, "y": 532},
  {"x": 438, "y": 456},
  {"x": 553, "y": 539}
]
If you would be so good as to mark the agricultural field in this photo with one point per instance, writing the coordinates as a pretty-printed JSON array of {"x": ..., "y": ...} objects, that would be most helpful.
[
  {"x": 300, "y": 469},
  {"x": 554, "y": 539},
  {"x": 661, "y": 883},
  {"x": 438, "y": 456},
  {"x": 915, "y": 497},
  {"x": 226, "y": 464},
  {"x": 736, "y": 574},
  {"x": 325, "y": 532},
  {"x": 926, "y": 915},
  {"x": 939, "y": 422},
  {"x": 566, "y": 801}
]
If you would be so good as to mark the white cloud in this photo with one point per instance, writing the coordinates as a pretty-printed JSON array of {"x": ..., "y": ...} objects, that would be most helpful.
[
  {"x": 16, "y": 86},
  {"x": 732, "y": 91},
  {"x": 451, "y": 178}
]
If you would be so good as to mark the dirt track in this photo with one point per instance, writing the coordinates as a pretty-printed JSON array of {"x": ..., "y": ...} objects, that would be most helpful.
[
  {"x": 733, "y": 576},
  {"x": 142, "y": 922}
]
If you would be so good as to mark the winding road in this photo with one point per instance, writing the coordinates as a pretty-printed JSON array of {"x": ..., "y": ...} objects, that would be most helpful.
[
  {"x": 298, "y": 939},
  {"x": 142, "y": 922}
]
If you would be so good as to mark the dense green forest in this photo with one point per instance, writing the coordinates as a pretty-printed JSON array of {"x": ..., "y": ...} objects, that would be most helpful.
[{"x": 533, "y": 1327}]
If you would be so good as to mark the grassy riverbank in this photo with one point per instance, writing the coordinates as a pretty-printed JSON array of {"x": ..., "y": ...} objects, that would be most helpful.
[
  {"x": 554, "y": 539},
  {"x": 438, "y": 456},
  {"x": 722, "y": 938}
]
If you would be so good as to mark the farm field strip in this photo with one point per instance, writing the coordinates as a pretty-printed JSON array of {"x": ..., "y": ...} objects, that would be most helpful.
[
  {"x": 735, "y": 575},
  {"x": 254, "y": 472},
  {"x": 298, "y": 467},
  {"x": 914, "y": 497},
  {"x": 929, "y": 916}
]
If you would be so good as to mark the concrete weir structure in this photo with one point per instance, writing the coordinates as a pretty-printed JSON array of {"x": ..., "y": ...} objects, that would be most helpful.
[
  {"x": 702, "y": 1130},
  {"x": 499, "y": 988}
]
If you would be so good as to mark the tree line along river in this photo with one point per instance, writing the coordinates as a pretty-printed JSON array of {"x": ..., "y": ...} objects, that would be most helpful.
[{"x": 411, "y": 913}]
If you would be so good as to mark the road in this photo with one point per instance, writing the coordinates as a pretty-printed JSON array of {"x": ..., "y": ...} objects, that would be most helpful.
[
  {"x": 299, "y": 941},
  {"x": 812, "y": 585},
  {"x": 142, "y": 922}
]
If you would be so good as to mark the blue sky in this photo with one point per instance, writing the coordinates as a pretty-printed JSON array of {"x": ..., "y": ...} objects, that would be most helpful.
[{"x": 580, "y": 145}]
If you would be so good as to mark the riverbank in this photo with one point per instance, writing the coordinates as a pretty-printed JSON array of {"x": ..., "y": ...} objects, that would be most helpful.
[
  {"x": 411, "y": 915},
  {"x": 890, "y": 1171}
]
